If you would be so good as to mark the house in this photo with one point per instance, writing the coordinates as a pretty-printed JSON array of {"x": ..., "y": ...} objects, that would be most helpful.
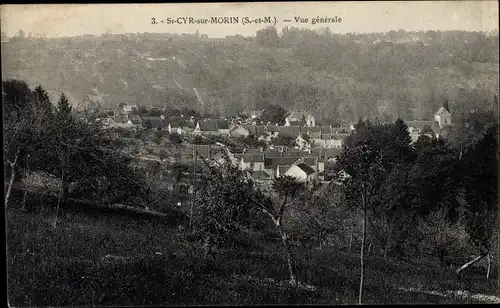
[
  {"x": 253, "y": 161},
  {"x": 129, "y": 108},
  {"x": 253, "y": 151},
  {"x": 443, "y": 115},
  {"x": 277, "y": 166},
  {"x": 290, "y": 131},
  {"x": 301, "y": 172},
  {"x": 238, "y": 132},
  {"x": 251, "y": 129},
  {"x": 96, "y": 99},
  {"x": 316, "y": 131},
  {"x": 256, "y": 113},
  {"x": 331, "y": 154},
  {"x": 295, "y": 154},
  {"x": 299, "y": 117},
  {"x": 177, "y": 125},
  {"x": 223, "y": 126},
  {"x": 261, "y": 176},
  {"x": 207, "y": 127},
  {"x": 157, "y": 123},
  {"x": 303, "y": 141},
  {"x": 329, "y": 141},
  {"x": 273, "y": 153},
  {"x": 120, "y": 117},
  {"x": 219, "y": 157}
]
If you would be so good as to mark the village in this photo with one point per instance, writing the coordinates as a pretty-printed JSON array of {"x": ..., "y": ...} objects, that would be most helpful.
[{"x": 298, "y": 148}]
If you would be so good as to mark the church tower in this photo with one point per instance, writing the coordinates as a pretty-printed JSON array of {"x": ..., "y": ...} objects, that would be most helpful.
[{"x": 443, "y": 115}]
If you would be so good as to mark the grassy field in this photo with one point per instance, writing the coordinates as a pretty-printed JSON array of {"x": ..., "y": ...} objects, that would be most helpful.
[{"x": 106, "y": 258}]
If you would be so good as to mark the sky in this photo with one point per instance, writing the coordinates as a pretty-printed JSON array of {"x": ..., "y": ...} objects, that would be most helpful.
[{"x": 56, "y": 20}]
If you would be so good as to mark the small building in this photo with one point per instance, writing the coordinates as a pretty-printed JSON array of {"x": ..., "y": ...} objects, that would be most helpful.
[
  {"x": 301, "y": 172},
  {"x": 239, "y": 132},
  {"x": 156, "y": 123},
  {"x": 331, "y": 154},
  {"x": 256, "y": 114},
  {"x": 303, "y": 141},
  {"x": 252, "y": 161},
  {"x": 443, "y": 116},
  {"x": 251, "y": 129},
  {"x": 222, "y": 126},
  {"x": 300, "y": 117},
  {"x": 129, "y": 108},
  {"x": 417, "y": 128},
  {"x": 219, "y": 157},
  {"x": 290, "y": 131},
  {"x": 207, "y": 127},
  {"x": 177, "y": 124}
]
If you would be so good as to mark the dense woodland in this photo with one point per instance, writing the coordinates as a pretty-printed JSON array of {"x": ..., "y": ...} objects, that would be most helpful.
[{"x": 337, "y": 78}]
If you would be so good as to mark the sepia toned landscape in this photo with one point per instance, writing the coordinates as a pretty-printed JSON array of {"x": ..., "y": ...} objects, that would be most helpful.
[{"x": 291, "y": 166}]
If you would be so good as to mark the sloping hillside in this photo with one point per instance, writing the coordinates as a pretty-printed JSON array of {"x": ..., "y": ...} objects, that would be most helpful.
[{"x": 336, "y": 77}]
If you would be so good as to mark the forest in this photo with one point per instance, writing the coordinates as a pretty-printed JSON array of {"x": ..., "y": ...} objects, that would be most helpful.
[{"x": 338, "y": 78}]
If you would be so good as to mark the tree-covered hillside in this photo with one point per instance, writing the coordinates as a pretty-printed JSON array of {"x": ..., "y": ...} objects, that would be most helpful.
[{"x": 337, "y": 78}]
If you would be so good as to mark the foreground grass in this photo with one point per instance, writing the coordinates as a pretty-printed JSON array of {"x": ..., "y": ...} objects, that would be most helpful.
[{"x": 110, "y": 259}]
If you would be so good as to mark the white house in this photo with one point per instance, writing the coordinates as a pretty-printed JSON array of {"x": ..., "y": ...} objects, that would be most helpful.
[
  {"x": 301, "y": 172},
  {"x": 296, "y": 117},
  {"x": 129, "y": 108},
  {"x": 443, "y": 117}
]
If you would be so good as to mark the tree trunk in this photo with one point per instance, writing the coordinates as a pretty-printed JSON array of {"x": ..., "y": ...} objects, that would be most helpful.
[
  {"x": 206, "y": 247},
  {"x": 289, "y": 257},
  {"x": 362, "y": 261},
  {"x": 466, "y": 265},
  {"x": 350, "y": 242},
  {"x": 389, "y": 239},
  {"x": 25, "y": 193},
  {"x": 26, "y": 184},
  {"x": 489, "y": 267},
  {"x": 61, "y": 193},
  {"x": 498, "y": 253},
  {"x": 12, "y": 178}
]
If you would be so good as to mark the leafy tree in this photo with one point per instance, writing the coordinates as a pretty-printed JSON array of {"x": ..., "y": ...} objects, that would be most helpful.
[
  {"x": 148, "y": 124},
  {"x": 481, "y": 192},
  {"x": 267, "y": 37},
  {"x": 162, "y": 154},
  {"x": 274, "y": 114},
  {"x": 222, "y": 203},
  {"x": 26, "y": 127},
  {"x": 175, "y": 139},
  {"x": 198, "y": 140}
]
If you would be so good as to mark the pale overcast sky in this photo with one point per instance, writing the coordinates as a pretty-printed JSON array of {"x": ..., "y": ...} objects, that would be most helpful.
[{"x": 76, "y": 19}]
